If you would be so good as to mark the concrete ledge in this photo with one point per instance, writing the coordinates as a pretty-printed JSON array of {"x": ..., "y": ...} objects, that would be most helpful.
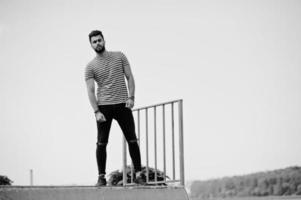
[{"x": 92, "y": 193}]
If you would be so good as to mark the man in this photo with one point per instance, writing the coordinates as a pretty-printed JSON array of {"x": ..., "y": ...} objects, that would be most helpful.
[{"x": 114, "y": 101}]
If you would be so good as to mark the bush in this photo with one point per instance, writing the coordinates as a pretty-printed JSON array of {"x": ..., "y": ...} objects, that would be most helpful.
[
  {"x": 5, "y": 181},
  {"x": 116, "y": 177}
]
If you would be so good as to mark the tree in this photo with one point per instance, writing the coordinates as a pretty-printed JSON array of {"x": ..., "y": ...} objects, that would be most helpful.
[{"x": 4, "y": 180}]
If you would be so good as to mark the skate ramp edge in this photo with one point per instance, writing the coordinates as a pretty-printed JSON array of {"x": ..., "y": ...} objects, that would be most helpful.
[{"x": 92, "y": 193}]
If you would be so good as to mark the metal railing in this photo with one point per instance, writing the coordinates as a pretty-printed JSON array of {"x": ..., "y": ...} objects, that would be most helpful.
[{"x": 147, "y": 123}]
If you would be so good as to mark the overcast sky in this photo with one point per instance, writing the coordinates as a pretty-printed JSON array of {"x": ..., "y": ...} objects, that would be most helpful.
[{"x": 236, "y": 65}]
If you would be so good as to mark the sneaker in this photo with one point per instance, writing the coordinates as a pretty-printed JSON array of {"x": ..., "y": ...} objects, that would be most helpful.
[
  {"x": 139, "y": 179},
  {"x": 101, "y": 181}
]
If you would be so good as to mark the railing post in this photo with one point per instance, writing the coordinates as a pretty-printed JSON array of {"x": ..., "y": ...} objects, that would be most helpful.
[
  {"x": 146, "y": 145},
  {"x": 181, "y": 143},
  {"x": 164, "y": 143},
  {"x": 124, "y": 175},
  {"x": 173, "y": 141},
  {"x": 155, "y": 141},
  {"x": 138, "y": 118}
]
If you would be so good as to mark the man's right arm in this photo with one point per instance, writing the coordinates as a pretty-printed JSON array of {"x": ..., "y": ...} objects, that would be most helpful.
[{"x": 91, "y": 94}]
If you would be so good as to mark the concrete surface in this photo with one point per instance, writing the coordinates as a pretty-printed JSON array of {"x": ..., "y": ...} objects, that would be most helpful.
[{"x": 92, "y": 193}]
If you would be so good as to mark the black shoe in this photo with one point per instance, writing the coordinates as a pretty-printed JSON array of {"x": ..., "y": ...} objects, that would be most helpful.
[
  {"x": 139, "y": 179},
  {"x": 101, "y": 181}
]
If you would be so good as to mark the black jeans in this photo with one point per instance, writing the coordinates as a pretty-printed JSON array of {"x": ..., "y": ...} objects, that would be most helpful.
[{"x": 124, "y": 117}]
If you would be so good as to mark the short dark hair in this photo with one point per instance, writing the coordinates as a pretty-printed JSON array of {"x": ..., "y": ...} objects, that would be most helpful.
[{"x": 95, "y": 33}]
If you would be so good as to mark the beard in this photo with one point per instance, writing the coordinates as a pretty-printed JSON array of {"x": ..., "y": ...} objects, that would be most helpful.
[{"x": 99, "y": 49}]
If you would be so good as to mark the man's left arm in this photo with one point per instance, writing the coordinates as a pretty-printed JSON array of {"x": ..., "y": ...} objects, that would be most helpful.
[{"x": 131, "y": 82}]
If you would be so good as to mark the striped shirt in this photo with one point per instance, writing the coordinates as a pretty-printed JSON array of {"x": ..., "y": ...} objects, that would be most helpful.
[{"x": 107, "y": 70}]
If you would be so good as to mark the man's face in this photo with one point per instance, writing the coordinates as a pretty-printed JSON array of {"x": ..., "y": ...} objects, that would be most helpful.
[{"x": 98, "y": 43}]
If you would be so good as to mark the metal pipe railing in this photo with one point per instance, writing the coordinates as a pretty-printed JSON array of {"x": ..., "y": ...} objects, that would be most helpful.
[
  {"x": 157, "y": 105},
  {"x": 146, "y": 143},
  {"x": 173, "y": 140},
  {"x": 146, "y": 109},
  {"x": 164, "y": 142},
  {"x": 181, "y": 143},
  {"x": 155, "y": 141},
  {"x": 138, "y": 124},
  {"x": 124, "y": 162}
]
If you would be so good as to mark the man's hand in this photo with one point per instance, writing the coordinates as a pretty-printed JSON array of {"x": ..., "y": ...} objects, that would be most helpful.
[
  {"x": 100, "y": 117},
  {"x": 129, "y": 103}
]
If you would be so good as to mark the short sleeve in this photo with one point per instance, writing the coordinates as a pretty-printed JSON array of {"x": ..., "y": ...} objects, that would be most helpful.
[
  {"x": 124, "y": 59},
  {"x": 89, "y": 73}
]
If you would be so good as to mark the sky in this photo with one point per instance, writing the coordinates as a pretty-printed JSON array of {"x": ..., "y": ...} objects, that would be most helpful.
[{"x": 236, "y": 65}]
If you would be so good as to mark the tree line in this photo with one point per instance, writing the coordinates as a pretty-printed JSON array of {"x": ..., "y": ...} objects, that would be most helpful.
[{"x": 277, "y": 183}]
